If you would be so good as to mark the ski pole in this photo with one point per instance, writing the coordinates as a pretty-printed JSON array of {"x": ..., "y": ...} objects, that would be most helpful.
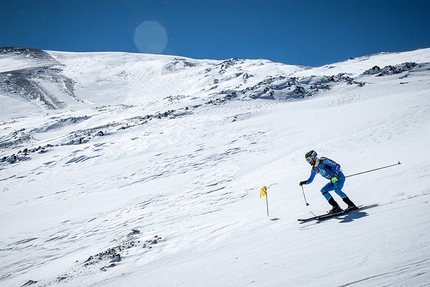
[
  {"x": 373, "y": 169},
  {"x": 304, "y": 196}
]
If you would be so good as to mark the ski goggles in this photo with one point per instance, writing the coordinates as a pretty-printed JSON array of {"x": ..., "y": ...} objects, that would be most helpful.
[{"x": 308, "y": 159}]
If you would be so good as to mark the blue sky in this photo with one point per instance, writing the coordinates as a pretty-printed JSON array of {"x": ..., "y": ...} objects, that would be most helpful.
[{"x": 302, "y": 32}]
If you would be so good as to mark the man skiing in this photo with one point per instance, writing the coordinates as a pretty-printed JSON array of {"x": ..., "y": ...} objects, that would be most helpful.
[{"x": 330, "y": 170}]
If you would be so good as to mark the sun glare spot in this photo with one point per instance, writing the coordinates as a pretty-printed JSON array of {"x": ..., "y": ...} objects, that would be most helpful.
[{"x": 150, "y": 37}]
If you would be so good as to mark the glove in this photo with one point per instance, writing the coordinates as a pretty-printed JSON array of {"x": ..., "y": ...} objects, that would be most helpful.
[
  {"x": 302, "y": 183},
  {"x": 334, "y": 178}
]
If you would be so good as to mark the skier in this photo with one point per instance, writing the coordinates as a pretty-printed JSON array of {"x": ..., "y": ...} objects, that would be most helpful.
[{"x": 330, "y": 170}]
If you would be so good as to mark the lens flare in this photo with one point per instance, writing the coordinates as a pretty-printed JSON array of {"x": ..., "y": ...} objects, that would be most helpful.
[{"x": 150, "y": 37}]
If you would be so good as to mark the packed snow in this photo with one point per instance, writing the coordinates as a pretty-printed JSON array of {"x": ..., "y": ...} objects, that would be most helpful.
[{"x": 121, "y": 169}]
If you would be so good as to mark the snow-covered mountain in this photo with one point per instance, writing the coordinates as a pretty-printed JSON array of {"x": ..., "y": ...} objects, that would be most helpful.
[{"x": 122, "y": 169}]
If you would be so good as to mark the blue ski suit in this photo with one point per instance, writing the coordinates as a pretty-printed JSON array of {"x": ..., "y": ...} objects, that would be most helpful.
[{"x": 327, "y": 168}]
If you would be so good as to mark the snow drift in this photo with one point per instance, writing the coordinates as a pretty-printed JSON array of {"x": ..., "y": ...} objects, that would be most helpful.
[{"x": 145, "y": 170}]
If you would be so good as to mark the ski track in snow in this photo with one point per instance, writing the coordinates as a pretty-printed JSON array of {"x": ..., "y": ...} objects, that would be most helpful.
[{"x": 156, "y": 172}]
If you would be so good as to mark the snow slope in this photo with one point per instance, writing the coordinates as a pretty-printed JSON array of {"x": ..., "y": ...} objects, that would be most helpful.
[{"x": 124, "y": 169}]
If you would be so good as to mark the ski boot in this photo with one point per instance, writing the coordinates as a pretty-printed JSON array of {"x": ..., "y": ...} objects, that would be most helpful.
[
  {"x": 351, "y": 205},
  {"x": 336, "y": 208}
]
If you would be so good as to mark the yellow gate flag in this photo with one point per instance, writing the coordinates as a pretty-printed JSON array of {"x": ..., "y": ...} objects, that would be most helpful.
[{"x": 263, "y": 191}]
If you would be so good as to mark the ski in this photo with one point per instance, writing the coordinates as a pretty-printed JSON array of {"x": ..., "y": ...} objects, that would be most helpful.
[{"x": 331, "y": 215}]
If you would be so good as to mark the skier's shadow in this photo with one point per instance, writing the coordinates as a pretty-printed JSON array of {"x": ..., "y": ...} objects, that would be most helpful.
[{"x": 351, "y": 216}]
